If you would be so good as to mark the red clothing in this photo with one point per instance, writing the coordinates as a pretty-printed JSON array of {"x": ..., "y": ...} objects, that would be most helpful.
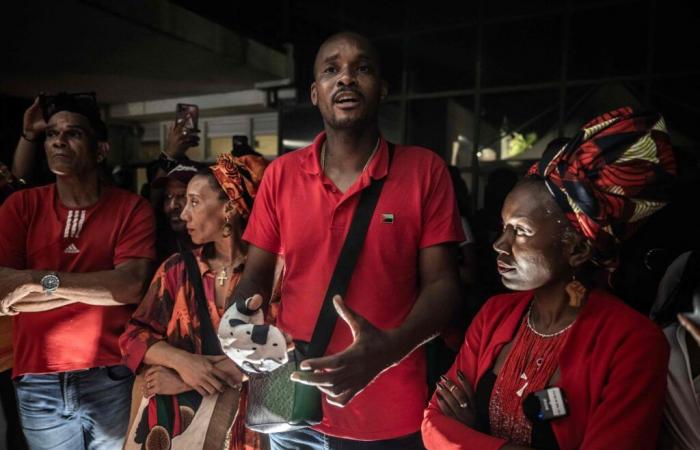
[
  {"x": 168, "y": 313},
  {"x": 613, "y": 373},
  {"x": 300, "y": 213},
  {"x": 38, "y": 232}
]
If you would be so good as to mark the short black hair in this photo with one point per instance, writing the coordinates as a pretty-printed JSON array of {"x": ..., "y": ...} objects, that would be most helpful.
[{"x": 84, "y": 104}]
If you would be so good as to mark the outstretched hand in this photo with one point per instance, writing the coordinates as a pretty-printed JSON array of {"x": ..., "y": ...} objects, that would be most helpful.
[{"x": 344, "y": 375}]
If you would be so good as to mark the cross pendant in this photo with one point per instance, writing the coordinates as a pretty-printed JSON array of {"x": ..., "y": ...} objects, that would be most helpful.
[{"x": 222, "y": 277}]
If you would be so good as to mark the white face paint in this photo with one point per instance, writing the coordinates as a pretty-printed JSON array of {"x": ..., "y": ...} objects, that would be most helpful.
[{"x": 251, "y": 344}]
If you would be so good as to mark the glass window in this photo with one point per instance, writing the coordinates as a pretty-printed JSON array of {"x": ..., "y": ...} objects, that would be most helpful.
[
  {"x": 266, "y": 144},
  {"x": 149, "y": 152},
  {"x": 519, "y": 125},
  {"x": 218, "y": 146}
]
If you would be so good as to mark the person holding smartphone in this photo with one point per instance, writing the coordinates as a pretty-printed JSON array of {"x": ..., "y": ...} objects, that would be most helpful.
[
  {"x": 167, "y": 182},
  {"x": 182, "y": 136},
  {"x": 560, "y": 363}
]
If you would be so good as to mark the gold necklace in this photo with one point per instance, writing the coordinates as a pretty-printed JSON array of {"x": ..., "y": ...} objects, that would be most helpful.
[
  {"x": 223, "y": 276},
  {"x": 371, "y": 155},
  {"x": 223, "y": 271}
]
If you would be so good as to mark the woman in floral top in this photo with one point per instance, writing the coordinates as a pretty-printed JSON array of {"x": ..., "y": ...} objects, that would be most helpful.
[{"x": 163, "y": 337}]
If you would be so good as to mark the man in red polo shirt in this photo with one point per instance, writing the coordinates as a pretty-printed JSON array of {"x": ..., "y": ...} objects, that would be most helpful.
[
  {"x": 73, "y": 256},
  {"x": 405, "y": 283}
]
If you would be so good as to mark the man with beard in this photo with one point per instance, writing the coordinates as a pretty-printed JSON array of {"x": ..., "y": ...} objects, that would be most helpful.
[{"x": 172, "y": 235}]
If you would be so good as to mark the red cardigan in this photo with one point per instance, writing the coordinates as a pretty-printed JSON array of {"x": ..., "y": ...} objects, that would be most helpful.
[{"x": 613, "y": 372}]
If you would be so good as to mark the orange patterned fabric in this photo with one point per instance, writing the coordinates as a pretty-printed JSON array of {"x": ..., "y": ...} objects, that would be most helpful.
[
  {"x": 168, "y": 313},
  {"x": 240, "y": 177}
]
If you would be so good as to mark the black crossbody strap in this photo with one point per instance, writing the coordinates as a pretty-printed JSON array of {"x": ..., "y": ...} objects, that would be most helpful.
[
  {"x": 210, "y": 343},
  {"x": 354, "y": 241}
]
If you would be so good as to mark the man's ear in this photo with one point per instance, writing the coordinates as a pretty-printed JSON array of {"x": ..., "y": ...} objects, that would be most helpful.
[
  {"x": 314, "y": 94},
  {"x": 102, "y": 151}
]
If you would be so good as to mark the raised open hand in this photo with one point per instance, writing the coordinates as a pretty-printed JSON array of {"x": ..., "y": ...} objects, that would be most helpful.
[{"x": 344, "y": 375}]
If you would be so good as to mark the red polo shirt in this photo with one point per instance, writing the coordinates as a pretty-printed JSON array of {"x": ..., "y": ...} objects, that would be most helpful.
[{"x": 300, "y": 214}]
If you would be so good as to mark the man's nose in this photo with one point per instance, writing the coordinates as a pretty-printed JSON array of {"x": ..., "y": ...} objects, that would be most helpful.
[
  {"x": 173, "y": 205},
  {"x": 347, "y": 77},
  {"x": 59, "y": 140}
]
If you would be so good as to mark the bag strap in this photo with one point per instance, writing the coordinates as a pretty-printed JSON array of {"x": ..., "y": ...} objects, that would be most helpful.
[
  {"x": 210, "y": 343},
  {"x": 354, "y": 241}
]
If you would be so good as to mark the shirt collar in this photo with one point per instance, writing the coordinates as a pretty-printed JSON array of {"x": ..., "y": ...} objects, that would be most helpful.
[{"x": 311, "y": 159}]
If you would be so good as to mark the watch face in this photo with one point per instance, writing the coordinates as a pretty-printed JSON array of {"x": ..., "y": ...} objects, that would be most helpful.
[{"x": 50, "y": 282}]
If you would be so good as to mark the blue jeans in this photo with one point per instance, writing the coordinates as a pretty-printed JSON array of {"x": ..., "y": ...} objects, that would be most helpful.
[
  {"x": 83, "y": 409},
  {"x": 308, "y": 439}
]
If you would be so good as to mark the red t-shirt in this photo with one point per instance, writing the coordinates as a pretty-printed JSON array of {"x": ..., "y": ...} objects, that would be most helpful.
[
  {"x": 38, "y": 232},
  {"x": 299, "y": 213}
]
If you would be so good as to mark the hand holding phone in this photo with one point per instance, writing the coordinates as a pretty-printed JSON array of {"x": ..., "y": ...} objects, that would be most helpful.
[{"x": 188, "y": 115}]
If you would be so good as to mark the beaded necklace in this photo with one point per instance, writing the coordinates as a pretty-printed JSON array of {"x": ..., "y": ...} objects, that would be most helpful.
[{"x": 528, "y": 367}]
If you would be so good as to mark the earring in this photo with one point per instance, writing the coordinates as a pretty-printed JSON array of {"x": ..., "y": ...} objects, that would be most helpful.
[
  {"x": 576, "y": 291},
  {"x": 228, "y": 229}
]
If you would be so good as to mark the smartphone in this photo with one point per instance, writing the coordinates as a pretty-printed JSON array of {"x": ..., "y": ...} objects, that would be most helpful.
[{"x": 190, "y": 114}]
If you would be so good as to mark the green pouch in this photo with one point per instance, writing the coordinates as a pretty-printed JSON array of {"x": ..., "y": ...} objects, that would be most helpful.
[{"x": 277, "y": 404}]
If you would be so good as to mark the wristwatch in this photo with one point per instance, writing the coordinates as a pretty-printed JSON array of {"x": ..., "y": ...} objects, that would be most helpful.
[
  {"x": 166, "y": 162},
  {"x": 50, "y": 283}
]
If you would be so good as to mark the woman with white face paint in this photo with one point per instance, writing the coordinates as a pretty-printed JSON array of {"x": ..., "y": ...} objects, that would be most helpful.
[{"x": 561, "y": 363}]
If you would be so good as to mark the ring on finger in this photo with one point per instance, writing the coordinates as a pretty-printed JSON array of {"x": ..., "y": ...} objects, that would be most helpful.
[
  {"x": 464, "y": 405},
  {"x": 452, "y": 388}
]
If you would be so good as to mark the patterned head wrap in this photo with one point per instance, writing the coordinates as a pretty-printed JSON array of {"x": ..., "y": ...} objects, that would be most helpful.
[
  {"x": 614, "y": 173},
  {"x": 240, "y": 178}
]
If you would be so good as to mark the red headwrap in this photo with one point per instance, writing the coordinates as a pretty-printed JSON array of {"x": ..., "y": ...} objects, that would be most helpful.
[
  {"x": 615, "y": 172},
  {"x": 240, "y": 177}
]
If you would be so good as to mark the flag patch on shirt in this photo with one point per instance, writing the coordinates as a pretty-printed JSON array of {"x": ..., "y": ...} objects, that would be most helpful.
[
  {"x": 74, "y": 223},
  {"x": 387, "y": 218}
]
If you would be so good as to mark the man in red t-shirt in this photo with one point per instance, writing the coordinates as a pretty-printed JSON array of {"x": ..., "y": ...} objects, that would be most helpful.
[
  {"x": 405, "y": 284},
  {"x": 74, "y": 256}
]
